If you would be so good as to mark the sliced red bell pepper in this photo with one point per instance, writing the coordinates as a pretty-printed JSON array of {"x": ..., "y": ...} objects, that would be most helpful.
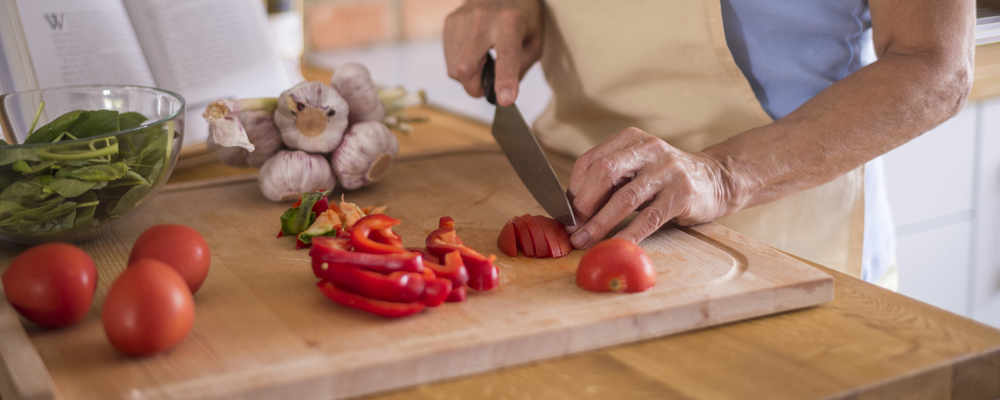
[
  {"x": 436, "y": 291},
  {"x": 524, "y": 237},
  {"x": 457, "y": 295},
  {"x": 377, "y": 307},
  {"x": 428, "y": 257},
  {"x": 336, "y": 250},
  {"x": 483, "y": 275},
  {"x": 364, "y": 231},
  {"x": 453, "y": 269},
  {"x": 399, "y": 287}
]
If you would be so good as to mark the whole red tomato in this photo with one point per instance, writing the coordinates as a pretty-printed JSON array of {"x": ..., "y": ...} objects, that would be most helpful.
[
  {"x": 148, "y": 309},
  {"x": 52, "y": 284},
  {"x": 180, "y": 247},
  {"x": 615, "y": 265}
]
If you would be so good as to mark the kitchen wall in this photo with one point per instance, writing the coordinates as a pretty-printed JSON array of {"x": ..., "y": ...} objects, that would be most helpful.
[{"x": 344, "y": 24}]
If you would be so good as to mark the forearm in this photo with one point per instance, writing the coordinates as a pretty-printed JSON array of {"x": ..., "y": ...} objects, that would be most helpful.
[{"x": 853, "y": 121}]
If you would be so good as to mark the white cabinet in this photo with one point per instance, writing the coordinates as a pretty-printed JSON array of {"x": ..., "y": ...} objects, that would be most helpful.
[
  {"x": 930, "y": 185},
  {"x": 985, "y": 280}
]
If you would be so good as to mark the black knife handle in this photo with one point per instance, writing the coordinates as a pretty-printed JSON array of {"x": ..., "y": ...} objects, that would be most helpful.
[{"x": 489, "y": 80}]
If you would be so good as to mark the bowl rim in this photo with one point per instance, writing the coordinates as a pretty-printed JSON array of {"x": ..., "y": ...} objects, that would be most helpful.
[{"x": 7, "y": 130}]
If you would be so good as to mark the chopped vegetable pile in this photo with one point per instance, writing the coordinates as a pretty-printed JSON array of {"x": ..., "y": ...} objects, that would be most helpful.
[
  {"x": 67, "y": 187},
  {"x": 362, "y": 263}
]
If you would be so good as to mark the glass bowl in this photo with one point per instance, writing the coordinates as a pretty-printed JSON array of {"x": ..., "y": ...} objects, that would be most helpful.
[{"x": 82, "y": 173}]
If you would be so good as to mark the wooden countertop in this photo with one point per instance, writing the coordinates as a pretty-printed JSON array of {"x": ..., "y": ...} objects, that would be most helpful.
[{"x": 867, "y": 343}]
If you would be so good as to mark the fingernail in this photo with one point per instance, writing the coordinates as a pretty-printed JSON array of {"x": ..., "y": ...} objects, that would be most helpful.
[
  {"x": 506, "y": 96},
  {"x": 580, "y": 239},
  {"x": 572, "y": 229}
]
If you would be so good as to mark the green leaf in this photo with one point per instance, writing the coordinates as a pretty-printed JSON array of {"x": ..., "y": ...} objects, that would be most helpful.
[
  {"x": 50, "y": 131},
  {"x": 3, "y": 143},
  {"x": 85, "y": 213},
  {"x": 24, "y": 168},
  {"x": 8, "y": 208},
  {"x": 129, "y": 200},
  {"x": 130, "y": 120},
  {"x": 94, "y": 123},
  {"x": 27, "y": 191},
  {"x": 95, "y": 173},
  {"x": 69, "y": 187},
  {"x": 55, "y": 224}
]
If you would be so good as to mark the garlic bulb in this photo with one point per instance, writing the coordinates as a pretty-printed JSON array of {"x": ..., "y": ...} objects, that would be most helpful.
[
  {"x": 262, "y": 134},
  {"x": 224, "y": 123},
  {"x": 290, "y": 173},
  {"x": 312, "y": 117},
  {"x": 354, "y": 82},
  {"x": 365, "y": 155}
]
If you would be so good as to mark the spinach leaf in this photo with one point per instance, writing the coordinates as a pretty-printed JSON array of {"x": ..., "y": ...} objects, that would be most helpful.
[
  {"x": 129, "y": 200},
  {"x": 3, "y": 143},
  {"x": 130, "y": 120},
  {"x": 8, "y": 208},
  {"x": 95, "y": 173},
  {"x": 25, "y": 168},
  {"x": 94, "y": 123},
  {"x": 28, "y": 191},
  {"x": 50, "y": 131},
  {"x": 69, "y": 187},
  {"x": 85, "y": 211},
  {"x": 58, "y": 222}
]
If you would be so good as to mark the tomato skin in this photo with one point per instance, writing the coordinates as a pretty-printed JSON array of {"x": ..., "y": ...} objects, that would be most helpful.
[
  {"x": 178, "y": 246},
  {"x": 616, "y": 265},
  {"x": 507, "y": 241},
  {"x": 52, "y": 284},
  {"x": 148, "y": 309}
]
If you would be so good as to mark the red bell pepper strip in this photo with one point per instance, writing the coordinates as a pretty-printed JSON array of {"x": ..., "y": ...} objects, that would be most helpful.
[
  {"x": 428, "y": 257},
  {"x": 483, "y": 275},
  {"x": 436, "y": 291},
  {"x": 453, "y": 269},
  {"x": 377, "y": 307},
  {"x": 457, "y": 295},
  {"x": 336, "y": 251},
  {"x": 380, "y": 226},
  {"x": 398, "y": 287}
]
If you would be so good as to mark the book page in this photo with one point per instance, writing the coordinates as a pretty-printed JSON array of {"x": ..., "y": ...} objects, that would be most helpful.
[
  {"x": 79, "y": 42},
  {"x": 209, "y": 49}
]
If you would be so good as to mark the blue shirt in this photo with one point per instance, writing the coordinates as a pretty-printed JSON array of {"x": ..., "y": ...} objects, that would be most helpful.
[{"x": 791, "y": 50}]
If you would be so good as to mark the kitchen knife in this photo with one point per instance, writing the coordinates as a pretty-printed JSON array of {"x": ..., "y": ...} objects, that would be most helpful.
[{"x": 522, "y": 150}]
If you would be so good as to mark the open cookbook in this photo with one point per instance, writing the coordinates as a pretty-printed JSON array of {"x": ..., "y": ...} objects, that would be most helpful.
[{"x": 202, "y": 49}]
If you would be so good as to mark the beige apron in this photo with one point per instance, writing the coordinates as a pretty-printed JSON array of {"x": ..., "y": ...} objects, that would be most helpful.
[{"x": 663, "y": 66}]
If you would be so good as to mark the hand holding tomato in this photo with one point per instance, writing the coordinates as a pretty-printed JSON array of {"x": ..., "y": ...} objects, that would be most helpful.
[
  {"x": 616, "y": 265},
  {"x": 52, "y": 284}
]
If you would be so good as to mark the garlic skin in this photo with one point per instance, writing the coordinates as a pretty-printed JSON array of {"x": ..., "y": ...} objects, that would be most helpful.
[
  {"x": 355, "y": 84},
  {"x": 311, "y": 116},
  {"x": 289, "y": 173},
  {"x": 365, "y": 155}
]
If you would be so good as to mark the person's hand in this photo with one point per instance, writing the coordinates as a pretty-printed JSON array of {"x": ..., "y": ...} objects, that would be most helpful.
[
  {"x": 634, "y": 170},
  {"x": 512, "y": 27}
]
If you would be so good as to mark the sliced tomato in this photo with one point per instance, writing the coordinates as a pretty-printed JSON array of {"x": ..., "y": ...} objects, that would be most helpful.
[
  {"x": 507, "y": 242},
  {"x": 524, "y": 237},
  {"x": 562, "y": 237},
  {"x": 537, "y": 237},
  {"x": 550, "y": 235}
]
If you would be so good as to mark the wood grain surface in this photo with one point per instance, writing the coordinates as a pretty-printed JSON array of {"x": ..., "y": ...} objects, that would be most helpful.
[{"x": 264, "y": 331}]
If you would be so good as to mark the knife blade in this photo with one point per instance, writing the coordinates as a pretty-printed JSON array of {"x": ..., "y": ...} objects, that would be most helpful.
[{"x": 514, "y": 136}]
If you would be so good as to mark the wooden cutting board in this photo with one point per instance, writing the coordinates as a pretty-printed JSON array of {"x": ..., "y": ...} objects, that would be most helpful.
[{"x": 263, "y": 330}]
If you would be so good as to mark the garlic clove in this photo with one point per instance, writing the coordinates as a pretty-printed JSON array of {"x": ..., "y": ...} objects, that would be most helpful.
[
  {"x": 311, "y": 116},
  {"x": 355, "y": 84},
  {"x": 365, "y": 154},
  {"x": 289, "y": 173},
  {"x": 231, "y": 156}
]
